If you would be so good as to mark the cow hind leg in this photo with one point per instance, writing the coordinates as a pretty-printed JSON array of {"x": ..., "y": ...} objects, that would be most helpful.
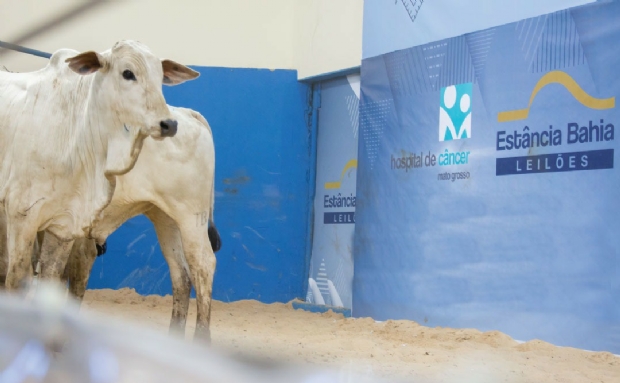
[
  {"x": 172, "y": 248},
  {"x": 201, "y": 261}
]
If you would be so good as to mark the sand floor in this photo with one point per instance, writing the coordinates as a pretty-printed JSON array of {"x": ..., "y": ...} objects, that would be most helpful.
[{"x": 402, "y": 350}]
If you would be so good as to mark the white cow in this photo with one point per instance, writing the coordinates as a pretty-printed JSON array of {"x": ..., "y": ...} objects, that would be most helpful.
[
  {"x": 171, "y": 183},
  {"x": 66, "y": 131}
]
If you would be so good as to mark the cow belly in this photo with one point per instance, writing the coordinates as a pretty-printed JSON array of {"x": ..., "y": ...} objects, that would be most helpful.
[{"x": 115, "y": 215}]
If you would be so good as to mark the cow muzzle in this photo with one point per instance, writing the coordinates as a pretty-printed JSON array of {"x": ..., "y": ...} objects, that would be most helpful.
[{"x": 168, "y": 128}]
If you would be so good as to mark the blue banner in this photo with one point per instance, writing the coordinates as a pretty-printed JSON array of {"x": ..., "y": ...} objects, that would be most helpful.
[
  {"x": 331, "y": 265},
  {"x": 400, "y": 24},
  {"x": 487, "y": 189}
]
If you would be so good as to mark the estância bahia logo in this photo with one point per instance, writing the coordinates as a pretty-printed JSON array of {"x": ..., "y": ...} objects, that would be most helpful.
[
  {"x": 340, "y": 200},
  {"x": 596, "y": 131}
]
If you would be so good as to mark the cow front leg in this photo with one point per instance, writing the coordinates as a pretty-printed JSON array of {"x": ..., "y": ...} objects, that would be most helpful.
[
  {"x": 79, "y": 265},
  {"x": 4, "y": 252},
  {"x": 201, "y": 261},
  {"x": 172, "y": 248},
  {"x": 20, "y": 242},
  {"x": 54, "y": 256}
]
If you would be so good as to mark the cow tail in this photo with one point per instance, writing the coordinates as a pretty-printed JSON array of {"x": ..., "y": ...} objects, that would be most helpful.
[{"x": 214, "y": 236}]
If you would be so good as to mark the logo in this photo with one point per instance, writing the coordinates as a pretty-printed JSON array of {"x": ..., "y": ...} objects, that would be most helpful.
[
  {"x": 562, "y": 78},
  {"x": 339, "y": 201},
  {"x": 455, "y": 112},
  {"x": 531, "y": 137},
  {"x": 352, "y": 164}
]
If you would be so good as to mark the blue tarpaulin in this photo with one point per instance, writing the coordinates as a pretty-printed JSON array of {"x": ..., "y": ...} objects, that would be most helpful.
[{"x": 488, "y": 183}]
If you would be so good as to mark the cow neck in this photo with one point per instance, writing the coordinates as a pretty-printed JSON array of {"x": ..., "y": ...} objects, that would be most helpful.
[{"x": 90, "y": 145}]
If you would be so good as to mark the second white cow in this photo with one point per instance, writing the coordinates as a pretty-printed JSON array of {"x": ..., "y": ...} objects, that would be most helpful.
[{"x": 172, "y": 184}]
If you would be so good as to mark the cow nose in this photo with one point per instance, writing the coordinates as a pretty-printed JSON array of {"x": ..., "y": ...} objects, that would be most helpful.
[{"x": 168, "y": 128}]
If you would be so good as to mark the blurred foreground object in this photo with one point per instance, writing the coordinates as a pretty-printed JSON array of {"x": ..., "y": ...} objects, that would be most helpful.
[{"x": 43, "y": 339}]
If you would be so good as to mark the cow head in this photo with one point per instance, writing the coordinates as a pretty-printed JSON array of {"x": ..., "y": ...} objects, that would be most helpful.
[{"x": 127, "y": 94}]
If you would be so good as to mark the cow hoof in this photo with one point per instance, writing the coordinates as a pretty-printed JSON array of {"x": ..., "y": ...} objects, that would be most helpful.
[{"x": 202, "y": 335}]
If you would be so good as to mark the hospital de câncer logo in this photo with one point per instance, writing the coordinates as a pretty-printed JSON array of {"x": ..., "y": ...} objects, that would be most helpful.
[
  {"x": 455, "y": 107},
  {"x": 455, "y": 112}
]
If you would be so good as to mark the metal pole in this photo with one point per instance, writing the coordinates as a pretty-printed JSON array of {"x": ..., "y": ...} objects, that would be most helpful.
[{"x": 19, "y": 48}]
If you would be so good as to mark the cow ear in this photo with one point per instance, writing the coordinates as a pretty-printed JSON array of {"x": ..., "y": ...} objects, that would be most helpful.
[
  {"x": 86, "y": 63},
  {"x": 175, "y": 73}
]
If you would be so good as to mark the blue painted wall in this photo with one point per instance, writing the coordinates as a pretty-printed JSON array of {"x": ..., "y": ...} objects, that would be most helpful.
[{"x": 262, "y": 139}]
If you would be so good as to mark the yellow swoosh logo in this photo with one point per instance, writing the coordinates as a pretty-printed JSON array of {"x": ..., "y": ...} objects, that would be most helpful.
[
  {"x": 562, "y": 78},
  {"x": 336, "y": 184}
]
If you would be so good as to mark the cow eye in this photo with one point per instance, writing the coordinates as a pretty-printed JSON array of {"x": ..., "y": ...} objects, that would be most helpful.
[{"x": 128, "y": 75}]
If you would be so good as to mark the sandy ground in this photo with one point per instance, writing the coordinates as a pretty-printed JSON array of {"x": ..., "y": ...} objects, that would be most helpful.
[{"x": 400, "y": 350}]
